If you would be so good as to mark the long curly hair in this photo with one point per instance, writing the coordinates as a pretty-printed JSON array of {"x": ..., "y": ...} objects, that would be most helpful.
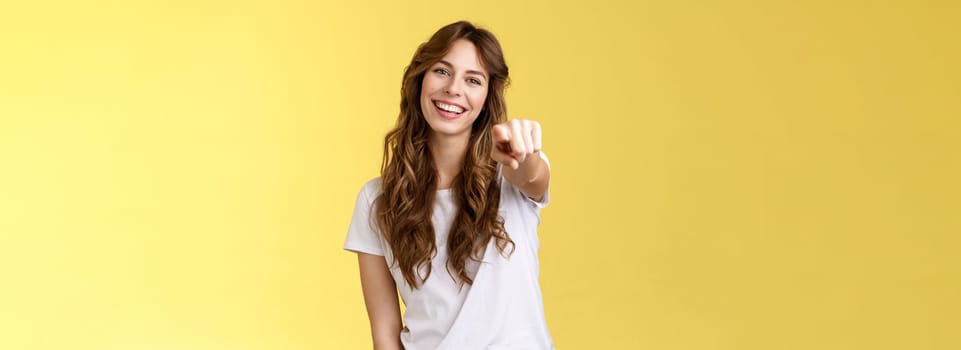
[{"x": 409, "y": 175}]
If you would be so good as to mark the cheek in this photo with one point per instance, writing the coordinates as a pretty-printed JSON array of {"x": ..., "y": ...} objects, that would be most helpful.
[
  {"x": 430, "y": 84},
  {"x": 477, "y": 100},
  {"x": 425, "y": 92},
  {"x": 424, "y": 87}
]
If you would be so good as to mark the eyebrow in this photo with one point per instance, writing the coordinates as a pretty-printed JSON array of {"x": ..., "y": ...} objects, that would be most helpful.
[{"x": 451, "y": 66}]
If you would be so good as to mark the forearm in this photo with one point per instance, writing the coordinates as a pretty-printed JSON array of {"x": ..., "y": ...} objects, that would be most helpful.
[
  {"x": 388, "y": 341},
  {"x": 380, "y": 296},
  {"x": 531, "y": 176},
  {"x": 385, "y": 330}
]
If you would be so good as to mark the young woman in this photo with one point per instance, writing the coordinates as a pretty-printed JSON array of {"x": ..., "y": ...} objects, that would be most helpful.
[{"x": 452, "y": 221}]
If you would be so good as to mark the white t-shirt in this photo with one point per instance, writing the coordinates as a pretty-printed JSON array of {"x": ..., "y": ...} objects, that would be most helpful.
[{"x": 502, "y": 310}]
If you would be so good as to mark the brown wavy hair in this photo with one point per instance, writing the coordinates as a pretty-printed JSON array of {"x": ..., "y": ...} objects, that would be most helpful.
[{"x": 409, "y": 175}]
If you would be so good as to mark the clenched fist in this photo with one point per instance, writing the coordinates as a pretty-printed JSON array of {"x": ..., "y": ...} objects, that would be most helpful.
[{"x": 515, "y": 141}]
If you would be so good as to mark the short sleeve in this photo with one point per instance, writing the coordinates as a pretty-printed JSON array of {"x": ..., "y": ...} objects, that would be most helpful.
[{"x": 362, "y": 237}]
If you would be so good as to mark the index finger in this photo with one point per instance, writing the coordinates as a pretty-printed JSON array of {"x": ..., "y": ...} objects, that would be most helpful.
[{"x": 501, "y": 133}]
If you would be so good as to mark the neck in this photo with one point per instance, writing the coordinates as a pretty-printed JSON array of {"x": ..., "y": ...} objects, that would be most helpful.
[{"x": 448, "y": 153}]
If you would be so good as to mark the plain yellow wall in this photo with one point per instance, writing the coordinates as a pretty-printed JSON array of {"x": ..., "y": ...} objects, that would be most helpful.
[{"x": 726, "y": 174}]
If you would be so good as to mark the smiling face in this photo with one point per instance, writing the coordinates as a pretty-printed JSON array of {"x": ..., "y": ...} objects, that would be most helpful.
[{"x": 454, "y": 90}]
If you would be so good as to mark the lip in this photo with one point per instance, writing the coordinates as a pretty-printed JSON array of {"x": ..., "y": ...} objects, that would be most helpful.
[{"x": 445, "y": 114}]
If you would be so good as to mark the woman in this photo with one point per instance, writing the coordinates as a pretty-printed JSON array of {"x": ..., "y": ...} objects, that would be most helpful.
[{"x": 452, "y": 221}]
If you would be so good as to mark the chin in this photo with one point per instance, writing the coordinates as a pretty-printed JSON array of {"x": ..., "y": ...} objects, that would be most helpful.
[{"x": 449, "y": 127}]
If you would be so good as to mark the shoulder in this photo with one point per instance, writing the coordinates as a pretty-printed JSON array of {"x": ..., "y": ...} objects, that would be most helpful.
[
  {"x": 369, "y": 191},
  {"x": 372, "y": 186}
]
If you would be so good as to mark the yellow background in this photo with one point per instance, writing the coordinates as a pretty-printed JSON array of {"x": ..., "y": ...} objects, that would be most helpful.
[{"x": 726, "y": 175}]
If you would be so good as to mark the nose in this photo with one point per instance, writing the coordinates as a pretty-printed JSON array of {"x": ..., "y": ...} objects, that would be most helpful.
[{"x": 453, "y": 88}]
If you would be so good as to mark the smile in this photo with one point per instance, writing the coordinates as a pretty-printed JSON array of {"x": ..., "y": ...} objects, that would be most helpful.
[{"x": 449, "y": 107}]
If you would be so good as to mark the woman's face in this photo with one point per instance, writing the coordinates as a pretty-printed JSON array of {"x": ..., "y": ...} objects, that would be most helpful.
[{"x": 454, "y": 90}]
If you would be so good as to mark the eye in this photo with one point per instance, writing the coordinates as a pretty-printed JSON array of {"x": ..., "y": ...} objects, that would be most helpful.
[
  {"x": 474, "y": 81},
  {"x": 442, "y": 71}
]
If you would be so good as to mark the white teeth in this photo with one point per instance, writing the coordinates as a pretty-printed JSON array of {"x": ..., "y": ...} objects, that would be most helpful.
[{"x": 449, "y": 108}]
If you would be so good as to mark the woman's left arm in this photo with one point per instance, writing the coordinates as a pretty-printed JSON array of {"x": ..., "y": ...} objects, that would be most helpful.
[{"x": 517, "y": 146}]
